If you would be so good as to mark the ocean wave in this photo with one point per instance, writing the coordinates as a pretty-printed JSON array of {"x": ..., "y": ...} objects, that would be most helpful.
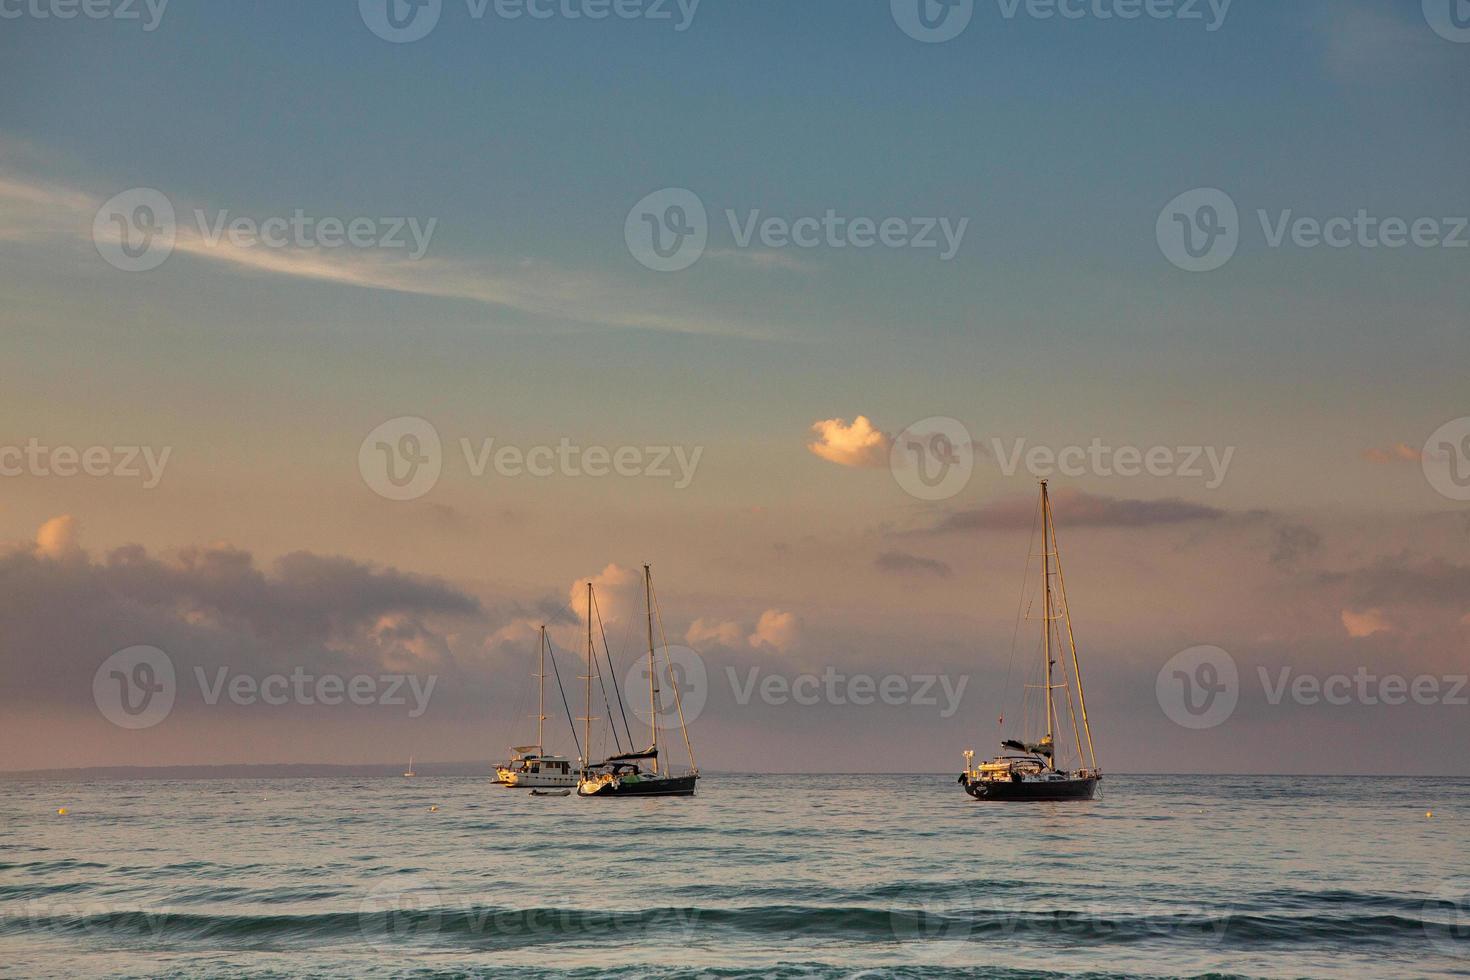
[{"x": 490, "y": 927}]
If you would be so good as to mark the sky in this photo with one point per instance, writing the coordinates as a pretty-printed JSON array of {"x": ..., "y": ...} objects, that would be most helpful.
[{"x": 753, "y": 247}]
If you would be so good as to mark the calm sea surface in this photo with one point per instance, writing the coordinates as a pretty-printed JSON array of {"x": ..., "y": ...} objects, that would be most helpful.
[{"x": 782, "y": 876}]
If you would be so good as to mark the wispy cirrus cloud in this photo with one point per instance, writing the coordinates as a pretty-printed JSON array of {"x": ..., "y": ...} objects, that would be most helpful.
[{"x": 33, "y": 210}]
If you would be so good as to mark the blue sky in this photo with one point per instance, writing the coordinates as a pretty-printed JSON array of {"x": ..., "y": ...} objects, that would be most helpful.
[{"x": 527, "y": 142}]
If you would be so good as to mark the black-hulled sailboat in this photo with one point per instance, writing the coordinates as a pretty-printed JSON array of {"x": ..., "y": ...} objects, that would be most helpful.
[
  {"x": 637, "y": 773},
  {"x": 1031, "y": 770}
]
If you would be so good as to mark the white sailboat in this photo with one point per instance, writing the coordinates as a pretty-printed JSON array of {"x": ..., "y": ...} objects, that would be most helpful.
[
  {"x": 409, "y": 772},
  {"x": 531, "y": 767}
]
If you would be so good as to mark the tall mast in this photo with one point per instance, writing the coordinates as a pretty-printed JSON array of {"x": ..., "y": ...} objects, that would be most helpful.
[
  {"x": 541, "y": 697},
  {"x": 1076, "y": 667},
  {"x": 652, "y": 667},
  {"x": 587, "y": 721},
  {"x": 1046, "y": 611}
]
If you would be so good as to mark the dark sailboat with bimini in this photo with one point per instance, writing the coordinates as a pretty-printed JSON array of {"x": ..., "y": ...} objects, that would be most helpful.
[
  {"x": 638, "y": 773},
  {"x": 1030, "y": 772}
]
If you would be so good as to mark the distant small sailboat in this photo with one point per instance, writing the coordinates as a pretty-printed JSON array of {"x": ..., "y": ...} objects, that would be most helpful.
[
  {"x": 409, "y": 771},
  {"x": 1031, "y": 771},
  {"x": 621, "y": 774},
  {"x": 530, "y": 766}
]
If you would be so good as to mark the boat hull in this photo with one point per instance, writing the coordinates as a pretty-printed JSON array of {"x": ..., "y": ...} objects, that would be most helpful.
[
  {"x": 1031, "y": 791},
  {"x": 645, "y": 787},
  {"x": 537, "y": 780}
]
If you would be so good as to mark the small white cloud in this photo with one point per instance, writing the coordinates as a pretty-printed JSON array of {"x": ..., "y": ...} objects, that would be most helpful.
[
  {"x": 776, "y": 630},
  {"x": 855, "y": 444},
  {"x": 616, "y": 592}
]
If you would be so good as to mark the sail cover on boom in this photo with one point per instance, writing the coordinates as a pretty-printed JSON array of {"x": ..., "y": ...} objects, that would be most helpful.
[{"x": 1030, "y": 748}]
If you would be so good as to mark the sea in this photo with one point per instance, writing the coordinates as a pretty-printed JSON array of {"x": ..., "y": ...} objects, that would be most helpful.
[{"x": 780, "y": 876}]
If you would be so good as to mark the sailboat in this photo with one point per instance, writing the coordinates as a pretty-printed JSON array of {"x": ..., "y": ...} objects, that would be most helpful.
[
  {"x": 623, "y": 774},
  {"x": 530, "y": 766},
  {"x": 409, "y": 771},
  {"x": 1030, "y": 770}
]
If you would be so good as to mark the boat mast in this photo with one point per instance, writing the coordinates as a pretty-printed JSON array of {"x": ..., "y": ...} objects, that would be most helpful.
[
  {"x": 652, "y": 667},
  {"x": 1046, "y": 612},
  {"x": 587, "y": 719},
  {"x": 1076, "y": 667},
  {"x": 541, "y": 697}
]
